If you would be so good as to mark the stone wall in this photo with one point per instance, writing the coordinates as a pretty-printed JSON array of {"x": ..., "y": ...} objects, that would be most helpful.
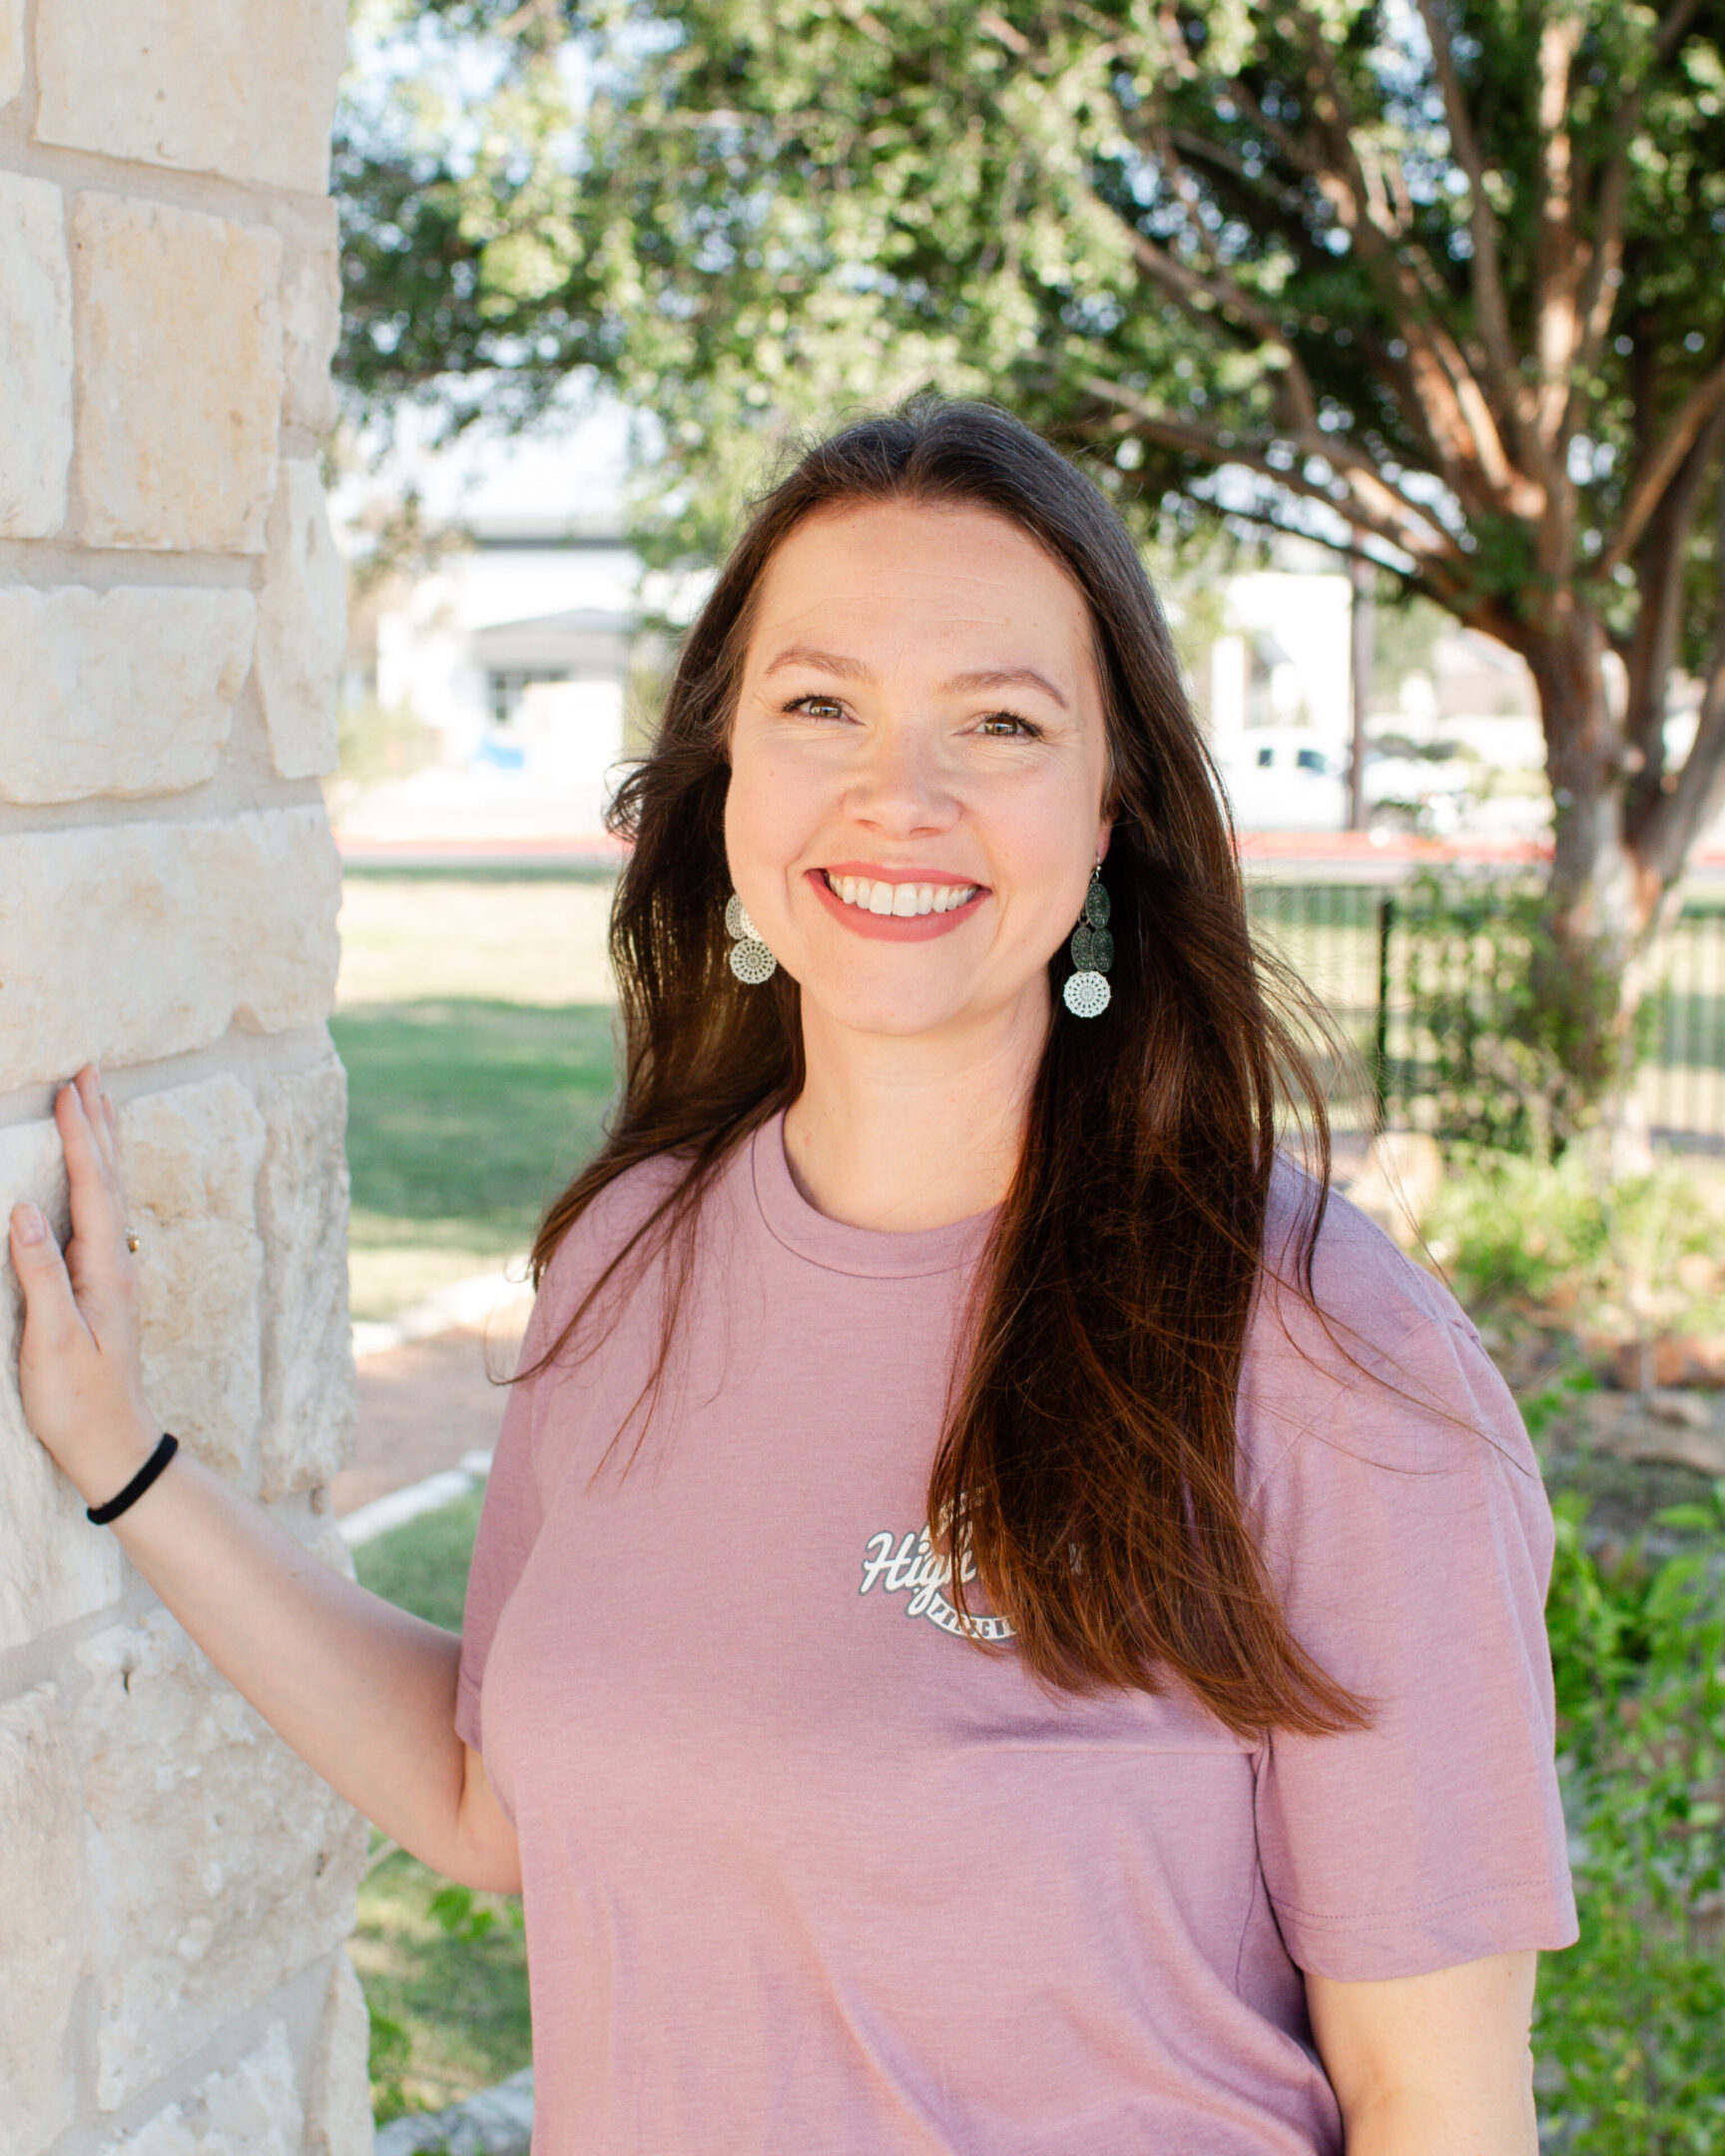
[{"x": 173, "y": 1886}]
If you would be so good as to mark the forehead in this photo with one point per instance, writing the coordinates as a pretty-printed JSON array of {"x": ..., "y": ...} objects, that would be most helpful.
[{"x": 907, "y": 576}]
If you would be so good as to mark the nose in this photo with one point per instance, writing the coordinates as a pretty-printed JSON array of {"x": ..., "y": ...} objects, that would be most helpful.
[{"x": 899, "y": 786}]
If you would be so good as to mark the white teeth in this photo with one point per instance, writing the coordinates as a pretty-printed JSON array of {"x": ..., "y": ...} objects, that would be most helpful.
[{"x": 901, "y": 902}]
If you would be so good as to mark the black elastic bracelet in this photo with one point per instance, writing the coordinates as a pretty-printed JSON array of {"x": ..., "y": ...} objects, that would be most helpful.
[{"x": 100, "y": 1515}]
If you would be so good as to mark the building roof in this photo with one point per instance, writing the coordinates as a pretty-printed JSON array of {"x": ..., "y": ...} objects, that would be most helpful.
[{"x": 571, "y": 621}]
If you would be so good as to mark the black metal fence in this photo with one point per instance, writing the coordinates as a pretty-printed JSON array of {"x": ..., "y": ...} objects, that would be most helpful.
[{"x": 1358, "y": 947}]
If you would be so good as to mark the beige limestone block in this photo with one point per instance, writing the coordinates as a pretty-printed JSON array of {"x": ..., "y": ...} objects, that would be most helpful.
[
  {"x": 219, "y": 1863},
  {"x": 11, "y": 50},
  {"x": 251, "y": 2109},
  {"x": 190, "y": 1158},
  {"x": 324, "y": 1538},
  {"x": 339, "y": 2119},
  {"x": 35, "y": 357},
  {"x": 302, "y": 625},
  {"x": 125, "y": 692},
  {"x": 139, "y": 940},
  {"x": 179, "y": 342},
  {"x": 241, "y": 86},
  {"x": 311, "y": 310},
  {"x": 308, "y": 1383},
  {"x": 54, "y": 1566},
  {"x": 44, "y": 1923}
]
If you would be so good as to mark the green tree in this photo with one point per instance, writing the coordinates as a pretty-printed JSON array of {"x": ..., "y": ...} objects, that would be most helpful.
[{"x": 1440, "y": 282}]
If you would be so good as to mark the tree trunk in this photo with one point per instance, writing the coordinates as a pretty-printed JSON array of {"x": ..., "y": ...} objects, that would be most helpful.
[{"x": 1588, "y": 985}]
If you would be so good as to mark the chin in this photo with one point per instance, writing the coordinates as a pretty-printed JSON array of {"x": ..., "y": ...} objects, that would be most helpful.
[
  {"x": 897, "y": 1023},
  {"x": 896, "y": 1016},
  {"x": 899, "y": 1010}
]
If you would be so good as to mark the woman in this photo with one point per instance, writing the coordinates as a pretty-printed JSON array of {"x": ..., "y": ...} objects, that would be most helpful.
[{"x": 938, "y": 1268}]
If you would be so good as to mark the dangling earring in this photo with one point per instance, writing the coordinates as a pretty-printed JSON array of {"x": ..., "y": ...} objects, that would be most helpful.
[
  {"x": 1086, "y": 994},
  {"x": 751, "y": 961}
]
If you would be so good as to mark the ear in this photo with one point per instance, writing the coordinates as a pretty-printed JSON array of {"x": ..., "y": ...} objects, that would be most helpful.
[{"x": 1105, "y": 835}]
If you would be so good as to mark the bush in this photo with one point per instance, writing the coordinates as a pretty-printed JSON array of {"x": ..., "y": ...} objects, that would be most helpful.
[
  {"x": 445, "y": 1969},
  {"x": 1511, "y": 1045},
  {"x": 1628, "y": 2028},
  {"x": 1628, "y": 1258}
]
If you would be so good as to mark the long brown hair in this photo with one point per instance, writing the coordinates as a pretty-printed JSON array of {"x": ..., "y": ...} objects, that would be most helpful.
[{"x": 1090, "y": 1452}]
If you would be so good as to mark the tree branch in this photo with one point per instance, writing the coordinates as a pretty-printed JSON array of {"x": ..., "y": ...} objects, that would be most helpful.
[
  {"x": 1460, "y": 418},
  {"x": 1487, "y": 274},
  {"x": 1651, "y": 652},
  {"x": 1556, "y": 271},
  {"x": 1401, "y": 373},
  {"x": 1372, "y": 503},
  {"x": 1661, "y": 467},
  {"x": 1599, "y": 289},
  {"x": 1260, "y": 201},
  {"x": 1700, "y": 794},
  {"x": 1475, "y": 610},
  {"x": 1222, "y": 291},
  {"x": 1671, "y": 822}
]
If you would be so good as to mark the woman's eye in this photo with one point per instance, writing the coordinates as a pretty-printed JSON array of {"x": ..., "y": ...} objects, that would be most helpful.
[
  {"x": 817, "y": 706},
  {"x": 1007, "y": 726}
]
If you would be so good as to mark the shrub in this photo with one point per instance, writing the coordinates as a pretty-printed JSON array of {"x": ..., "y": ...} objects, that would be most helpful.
[
  {"x": 1508, "y": 1043},
  {"x": 1625, "y": 1259},
  {"x": 1627, "y": 2028}
]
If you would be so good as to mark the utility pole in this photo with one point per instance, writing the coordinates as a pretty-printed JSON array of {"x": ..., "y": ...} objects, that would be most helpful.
[{"x": 1363, "y": 581}]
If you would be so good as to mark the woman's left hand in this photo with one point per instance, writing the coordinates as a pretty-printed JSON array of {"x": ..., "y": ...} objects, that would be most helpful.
[{"x": 80, "y": 1369}]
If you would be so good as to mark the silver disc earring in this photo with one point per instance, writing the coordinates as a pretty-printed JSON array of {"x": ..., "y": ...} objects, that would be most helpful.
[
  {"x": 751, "y": 961},
  {"x": 1086, "y": 994}
]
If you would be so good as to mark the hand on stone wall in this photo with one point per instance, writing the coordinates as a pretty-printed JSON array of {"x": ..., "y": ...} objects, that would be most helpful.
[
  {"x": 364, "y": 1693},
  {"x": 80, "y": 1365},
  {"x": 172, "y": 1882}
]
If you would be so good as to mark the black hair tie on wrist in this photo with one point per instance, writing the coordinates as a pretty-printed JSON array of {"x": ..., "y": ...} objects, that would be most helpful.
[{"x": 101, "y": 1515}]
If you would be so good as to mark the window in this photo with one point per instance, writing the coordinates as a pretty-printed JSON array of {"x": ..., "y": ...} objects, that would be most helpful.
[
  {"x": 503, "y": 687},
  {"x": 1312, "y": 760},
  {"x": 1266, "y": 756}
]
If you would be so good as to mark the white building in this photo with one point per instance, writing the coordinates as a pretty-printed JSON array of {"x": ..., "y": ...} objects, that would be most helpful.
[
  {"x": 514, "y": 645},
  {"x": 517, "y": 643},
  {"x": 526, "y": 601},
  {"x": 1280, "y": 698}
]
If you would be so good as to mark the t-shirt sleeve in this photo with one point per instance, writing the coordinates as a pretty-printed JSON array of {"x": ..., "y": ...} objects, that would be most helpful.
[
  {"x": 1412, "y": 1543},
  {"x": 509, "y": 1523}
]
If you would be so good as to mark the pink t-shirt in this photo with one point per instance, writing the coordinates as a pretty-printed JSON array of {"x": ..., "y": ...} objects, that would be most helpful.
[{"x": 806, "y": 1871}]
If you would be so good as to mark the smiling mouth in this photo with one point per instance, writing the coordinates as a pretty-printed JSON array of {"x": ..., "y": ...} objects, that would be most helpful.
[{"x": 898, "y": 901}]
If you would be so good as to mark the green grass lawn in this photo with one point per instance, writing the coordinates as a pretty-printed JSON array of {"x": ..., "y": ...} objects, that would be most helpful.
[
  {"x": 445, "y": 1970},
  {"x": 474, "y": 1021},
  {"x": 464, "y": 1118},
  {"x": 474, "y": 1017}
]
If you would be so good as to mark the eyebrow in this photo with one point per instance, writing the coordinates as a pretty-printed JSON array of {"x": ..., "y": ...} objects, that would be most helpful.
[
  {"x": 796, "y": 655},
  {"x": 825, "y": 662},
  {"x": 1008, "y": 678}
]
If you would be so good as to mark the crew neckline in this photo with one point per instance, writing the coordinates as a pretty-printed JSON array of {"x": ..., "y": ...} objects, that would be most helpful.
[{"x": 868, "y": 1253}]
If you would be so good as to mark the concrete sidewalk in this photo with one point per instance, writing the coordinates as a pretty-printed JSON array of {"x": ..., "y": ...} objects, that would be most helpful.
[
  {"x": 429, "y": 1402},
  {"x": 496, "y": 2122}
]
